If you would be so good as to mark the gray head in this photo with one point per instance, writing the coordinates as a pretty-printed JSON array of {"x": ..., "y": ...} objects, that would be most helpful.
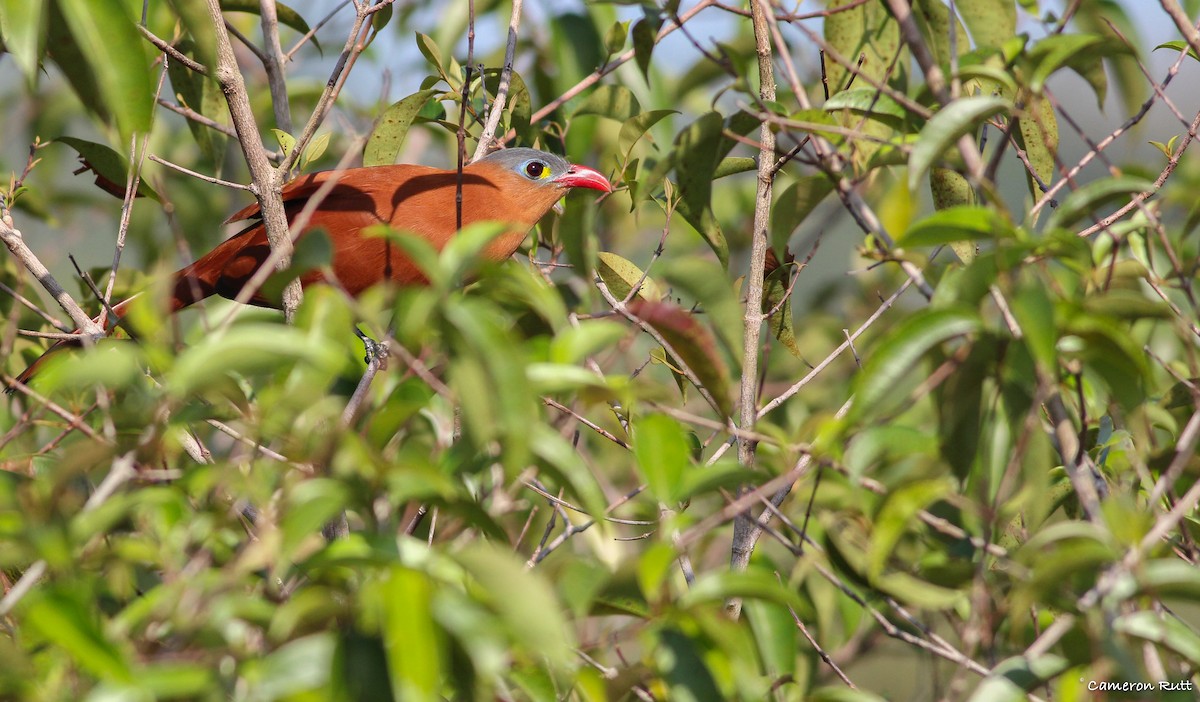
[{"x": 546, "y": 168}]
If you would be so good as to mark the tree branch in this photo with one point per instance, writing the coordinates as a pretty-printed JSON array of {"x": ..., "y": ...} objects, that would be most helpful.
[
  {"x": 743, "y": 525},
  {"x": 268, "y": 182}
]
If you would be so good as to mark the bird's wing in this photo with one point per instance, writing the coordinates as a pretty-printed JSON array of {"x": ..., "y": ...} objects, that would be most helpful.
[{"x": 366, "y": 180}]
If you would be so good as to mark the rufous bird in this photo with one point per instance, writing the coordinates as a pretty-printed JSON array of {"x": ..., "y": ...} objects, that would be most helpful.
[{"x": 516, "y": 186}]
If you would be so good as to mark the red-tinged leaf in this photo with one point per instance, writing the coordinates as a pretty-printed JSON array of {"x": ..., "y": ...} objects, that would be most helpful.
[
  {"x": 110, "y": 168},
  {"x": 693, "y": 343}
]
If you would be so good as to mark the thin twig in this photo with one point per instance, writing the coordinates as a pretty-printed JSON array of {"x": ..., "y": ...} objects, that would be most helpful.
[{"x": 493, "y": 119}]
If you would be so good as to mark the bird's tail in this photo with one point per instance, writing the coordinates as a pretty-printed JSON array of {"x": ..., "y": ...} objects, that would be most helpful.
[
  {"x": 65, "y": 343},
  {"x": 191, "y": 284}
]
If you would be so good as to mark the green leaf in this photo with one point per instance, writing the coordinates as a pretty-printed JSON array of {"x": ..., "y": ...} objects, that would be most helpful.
[
  {"x": 773, "y": 630},
  {"x": 645, "y": 36},
  {"x": 314, "y": 150},
  {"x": 943, "y": 130},
  {"x": 202, "y": 40},
  {"x": 175, "y": 680},
  {"x": 960, "y": 408},
  {"x": 620, "y": 275},
  {"x": 1162, "y": 629},
  {"x": 1038, "y": 135},
  {"x": 777, "y": 302},
  {"x": 561, "y": 460},
  {"x": 683, "y": 668},
  {"x": 612, "y": 101},
  {"x": 518, "y": 105},
  {"x": 573, "y": 344},
  {"x": 991, "y": 22},
  {"x": 64, "y": 622},
  {"x": 249, "y": 348},
  {"x": 869, "y": 31},
  {"x": 615, "y": 38},
  {"x": 793, "y": 205},
  {"x": 408, "y": 600},
  {"x": 429, "y": 49},
  {"x": 662, "y": 451},
  {"x": 202, "y": 94},
  {"x": 895, "y": 517},
  {"x": 934, "y": 20},
  {"x": 899, "y": 351},
  {"x": 1015, "y": 677},
  {"x": 387, "y": 137},
  {"x": 300, "y": 665},
  {"x": 286, "y": 141},
  {"x": 695, "y": 162},
  {"x": 1097, "y": 194},
  {"x": 1178, "y": 45},
  {"x": 1055, "y": 51},
  {"x": 23, "y": 30},
  {"x": 962, "y": 223},
  {"x": 636, "y": 126},
  {"x": 720, "y": 585},
  {"x": 867, "y": 101},
  {"x": 525, "y": 603},
  {"x": 734, "y": 165},
  {"x": 105, "y": 33},
  {"x": 949, "y": 189},
  {"x": 110, "y": 168},
  {"x": 1034, "y": 312}
]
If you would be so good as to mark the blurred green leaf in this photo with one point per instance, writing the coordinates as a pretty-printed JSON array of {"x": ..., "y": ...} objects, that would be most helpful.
[
  {"x": 662, "y": 454},
  {"x": 696, "y": 160},
  {"x": 105, "y": 33},
  {"x": 63, "y": 620},
  {"x": 249, "y": 348},
  {"x": 301, "y": 665},
  {"x": 1015, "y": 677},
  {"x": 1053, "y": 52},
  {"x": 896, "y": 354},
  {"x": 645, "y": 36},
  {"x": 413, "y": 643},
  {"x": 523, "y": 601},
  {"x": 1163, "y": 629},
  {"x": 960, "y": 223},
  {"x": 1094, "y": 195},
  {"x": 23, "y": 30}
]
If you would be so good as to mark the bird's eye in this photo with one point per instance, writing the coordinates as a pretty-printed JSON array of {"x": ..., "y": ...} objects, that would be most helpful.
[{"x": 535, "y": 169}]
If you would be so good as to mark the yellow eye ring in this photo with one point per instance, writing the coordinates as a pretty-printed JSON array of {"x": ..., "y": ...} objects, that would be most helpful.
[{"x": 537, "y": 169}]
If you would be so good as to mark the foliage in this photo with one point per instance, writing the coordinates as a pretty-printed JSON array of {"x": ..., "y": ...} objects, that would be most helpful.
[{"x": 973, "y": 458}]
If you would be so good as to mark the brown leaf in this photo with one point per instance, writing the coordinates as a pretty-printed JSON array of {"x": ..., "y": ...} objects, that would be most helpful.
[{"x": 692, "y": 342}]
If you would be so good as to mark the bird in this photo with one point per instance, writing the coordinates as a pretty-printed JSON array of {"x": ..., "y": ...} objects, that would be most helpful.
[{"x": 516, "y": 186}]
